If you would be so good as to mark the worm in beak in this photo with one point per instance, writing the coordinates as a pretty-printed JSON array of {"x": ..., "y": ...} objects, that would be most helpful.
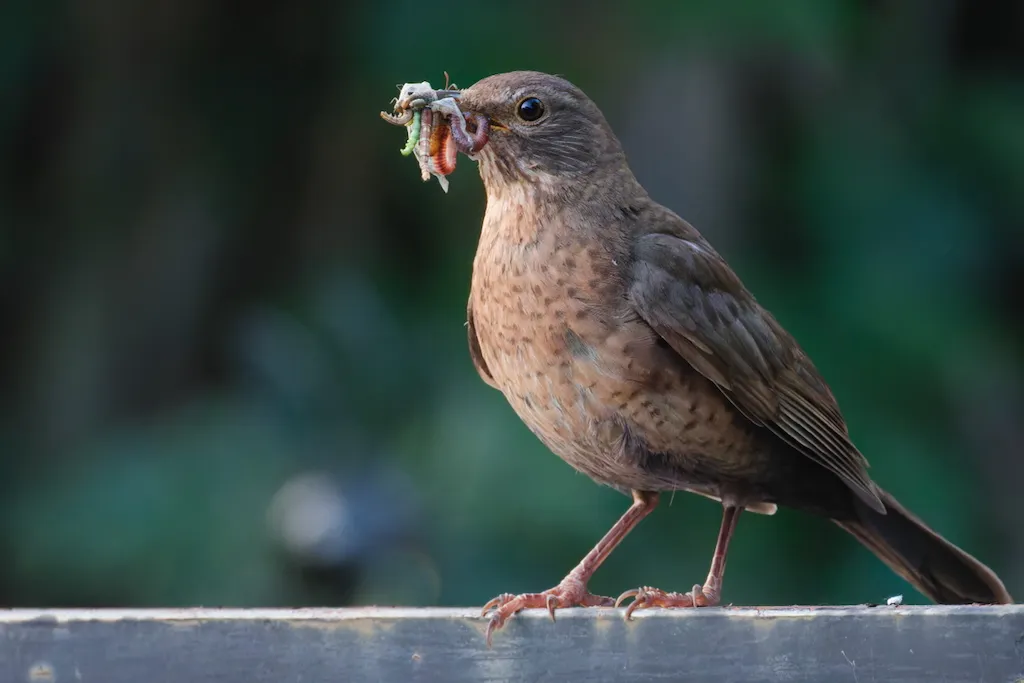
[{"x": 438, "y": 129}]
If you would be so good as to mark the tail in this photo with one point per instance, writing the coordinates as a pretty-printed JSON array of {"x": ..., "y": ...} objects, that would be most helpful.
[{"x": 933, "y": 565}]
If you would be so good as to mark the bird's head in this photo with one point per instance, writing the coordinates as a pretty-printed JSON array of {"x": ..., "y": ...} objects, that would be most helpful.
[{"x": 543, "y": 129}]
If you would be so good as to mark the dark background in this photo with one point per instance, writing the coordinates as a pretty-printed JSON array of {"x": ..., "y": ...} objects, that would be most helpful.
[{"x": 233, "y": 362}]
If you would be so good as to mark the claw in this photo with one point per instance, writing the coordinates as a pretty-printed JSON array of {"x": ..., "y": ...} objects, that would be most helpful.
[
  {"x": 640, "y": 597},
  {"x": 496, "y": 622},
  {"x": 569, "y": 593},
  {"x": 552, "y": 604},
  {"x": 626, "y": 596}
]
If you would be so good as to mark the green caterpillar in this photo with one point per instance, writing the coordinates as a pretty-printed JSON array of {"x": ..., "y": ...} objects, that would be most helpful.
[{"x": 414, "y": 134}]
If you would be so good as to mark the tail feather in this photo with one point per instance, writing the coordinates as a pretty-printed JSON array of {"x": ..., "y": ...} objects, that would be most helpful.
[{"x": 933, "y": 565}]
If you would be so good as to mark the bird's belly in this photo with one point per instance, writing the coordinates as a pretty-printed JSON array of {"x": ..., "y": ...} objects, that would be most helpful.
[
  {"x": 668, "y": 430},
  {"x": 591, "y": 380}
]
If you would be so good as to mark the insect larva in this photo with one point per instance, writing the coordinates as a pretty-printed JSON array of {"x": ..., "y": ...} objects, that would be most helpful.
[
  {"x": 438, "y": 129},
  {"x": 414, "y": 135},
  {"x": 397, "y": 119},
  {"x": 443, "y": 150}
]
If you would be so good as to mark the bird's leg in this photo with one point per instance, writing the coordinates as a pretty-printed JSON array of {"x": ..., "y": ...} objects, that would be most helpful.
[
  {"x": 572, "y": 590},
  {"x": 707, "y": 595}
]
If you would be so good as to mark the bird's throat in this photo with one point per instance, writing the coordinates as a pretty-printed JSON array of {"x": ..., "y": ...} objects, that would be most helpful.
[{"x": 517, "y": 213}]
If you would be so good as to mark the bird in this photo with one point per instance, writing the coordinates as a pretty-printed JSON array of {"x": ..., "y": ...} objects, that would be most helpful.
[{"x": 631, "y": 349}]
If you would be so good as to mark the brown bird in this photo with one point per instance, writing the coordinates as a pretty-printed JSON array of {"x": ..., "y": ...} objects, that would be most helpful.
[{"x": 632, "y": 350}]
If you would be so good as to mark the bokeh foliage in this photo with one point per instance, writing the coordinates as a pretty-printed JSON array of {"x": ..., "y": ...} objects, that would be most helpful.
[{"x": 234, "y": 366}]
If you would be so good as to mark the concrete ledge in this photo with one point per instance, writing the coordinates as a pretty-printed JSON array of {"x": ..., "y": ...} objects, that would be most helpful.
[{"x": 819, "y": 645}]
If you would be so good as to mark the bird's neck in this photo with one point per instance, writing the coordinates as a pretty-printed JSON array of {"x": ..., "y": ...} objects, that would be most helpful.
[{"x": 519, "y": 210}]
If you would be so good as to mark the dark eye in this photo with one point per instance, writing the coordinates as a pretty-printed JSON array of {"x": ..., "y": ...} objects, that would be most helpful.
[{"x": 531, "y": 109}]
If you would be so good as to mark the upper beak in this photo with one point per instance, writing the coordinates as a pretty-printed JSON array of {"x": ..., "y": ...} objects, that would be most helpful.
[
  {"x": 492, "y": 124},
  {"x": 468, "y": 109}
]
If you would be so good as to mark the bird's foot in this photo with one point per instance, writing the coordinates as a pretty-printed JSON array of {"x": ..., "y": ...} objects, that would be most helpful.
[
  {"x": 700, "y": 596},
  {"x": 571, "y": 592}
]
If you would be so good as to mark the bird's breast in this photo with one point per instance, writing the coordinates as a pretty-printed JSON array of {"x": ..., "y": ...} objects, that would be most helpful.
[
  {"x": 537, "y": 306},
  {"x": 579, "y": 368}
]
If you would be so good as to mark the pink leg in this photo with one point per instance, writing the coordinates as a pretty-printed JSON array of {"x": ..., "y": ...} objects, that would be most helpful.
[
  {"x": 572, "y": 590},
  {"x": 701, "y": 596}
]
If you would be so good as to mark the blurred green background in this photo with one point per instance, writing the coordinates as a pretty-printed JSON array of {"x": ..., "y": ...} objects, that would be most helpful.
[{"x": 233, "y": 361}]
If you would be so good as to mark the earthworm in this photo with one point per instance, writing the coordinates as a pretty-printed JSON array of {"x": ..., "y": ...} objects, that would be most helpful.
[{"x": 472, "y": 142}]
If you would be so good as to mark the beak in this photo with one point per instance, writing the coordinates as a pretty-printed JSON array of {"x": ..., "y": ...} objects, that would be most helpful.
[{"x": 492, "y": 124}]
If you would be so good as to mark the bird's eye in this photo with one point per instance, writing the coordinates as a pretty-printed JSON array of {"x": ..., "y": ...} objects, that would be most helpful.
[{"x": 531, "y": 109}]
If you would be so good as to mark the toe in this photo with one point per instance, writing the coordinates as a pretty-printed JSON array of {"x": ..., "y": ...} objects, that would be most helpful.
[
  {"x": 591, "y": 600},
  {"x": 646, "y": 596},
  {"x": 497, "y": 602},
  {"x": 502, "y": 614}
]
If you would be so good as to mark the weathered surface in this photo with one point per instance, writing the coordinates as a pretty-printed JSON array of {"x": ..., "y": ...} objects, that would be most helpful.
[{"x": 857, "y": 644}]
